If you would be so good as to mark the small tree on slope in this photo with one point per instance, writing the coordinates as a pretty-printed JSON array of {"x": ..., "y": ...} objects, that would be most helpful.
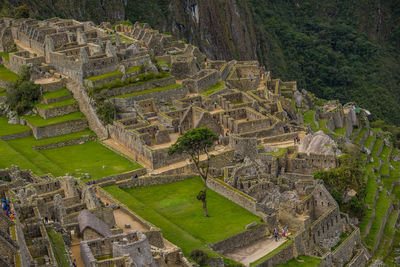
[{"x": 194, "y": 143}]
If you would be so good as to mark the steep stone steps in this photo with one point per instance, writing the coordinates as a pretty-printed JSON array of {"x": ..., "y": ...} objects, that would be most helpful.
[{"x": 85, "y": 107}]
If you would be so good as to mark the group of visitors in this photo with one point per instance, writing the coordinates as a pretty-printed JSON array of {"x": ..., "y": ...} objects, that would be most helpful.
[
  {"x": 284, "y": 233},
  {"x": 5, "y": 204}
]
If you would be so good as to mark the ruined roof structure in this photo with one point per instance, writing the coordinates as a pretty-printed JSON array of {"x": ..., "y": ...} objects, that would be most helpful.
[
  {"x": 88, "y": 220},
  {"x": 261, "y": 174}
]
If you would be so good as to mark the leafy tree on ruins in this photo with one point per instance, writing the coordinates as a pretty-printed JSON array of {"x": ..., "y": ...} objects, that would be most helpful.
[
  {"x": 22, "y": 94},
  {"x": 194, "y": 143}
]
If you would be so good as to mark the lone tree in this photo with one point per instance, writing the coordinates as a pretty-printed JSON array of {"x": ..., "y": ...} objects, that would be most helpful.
[{"x": 194, "y": 143}]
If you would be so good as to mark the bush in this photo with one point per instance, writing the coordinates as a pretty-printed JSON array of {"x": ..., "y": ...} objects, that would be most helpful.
[
  {"x": 106, "y": 112},
  {"x": 22, "y": 94},
  {"x": 199, "y": 256}
]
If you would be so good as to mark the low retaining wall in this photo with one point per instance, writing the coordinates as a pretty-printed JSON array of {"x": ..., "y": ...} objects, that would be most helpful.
[
  {"x": 281, "y": 257},
  {"x": 16, "y": 136},
  {"x": 233, "y": 194},
  {"x": 59, "y": 111},
  {"x": 358, "y": 260},
  {"x": 112, "y": 179},
  {"x": 59, "y": 128},
  {"x": 67, "y": 143},
  {"x": 150, "y": 181},
  {"x": 341, "y": 254},
  {"x": 240, "y": 240}
]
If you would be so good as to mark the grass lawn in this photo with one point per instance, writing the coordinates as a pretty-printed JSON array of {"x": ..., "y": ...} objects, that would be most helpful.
[
  {"x": 396, "y": 246},
  {"x": 214, "y": 88},
  {"x": 272, "y": 253},
  {"x": 175, "y": 209},
  {"x": 59, "y": 249},
  {"x": 7, "y": 75},
  {"x": 301, "y": 261},
  {"x": 376, "y": 146},
  {"x": 89, "y": 158},
  {"x": 56, "y": 94},
  {"x": 67, "y": 102},
  {"x": 132, "y": 69},
  {"x": 75, "y": 159},
  {"x": 9, "y": 129},
  {"x": 6, "y": 55},
  {"x": 38, "y": 121},
  {"x": 152, "y": 90}
]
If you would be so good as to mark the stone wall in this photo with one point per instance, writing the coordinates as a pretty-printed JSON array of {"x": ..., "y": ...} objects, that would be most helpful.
[
  {"x": 359, "y": 259},
  {"x": 59, "y": 128},
  {"x": 165, "y": 96},
  {"x": 240, "y": 240},
  {"x": 281, "y": 257},
  {"x": 58, "y": 111},
  {"x": 121, "y": 176},
  {"x": 67, "y": 143},
  {"x": 16, "y": 136},
  {"x": 150, "y": 181},
  {"x": 233, "y": 194},
  {"x": 343, "y": 253}
]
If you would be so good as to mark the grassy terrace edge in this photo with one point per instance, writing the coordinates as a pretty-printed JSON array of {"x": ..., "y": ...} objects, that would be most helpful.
[{"x": 38, "y": 121}]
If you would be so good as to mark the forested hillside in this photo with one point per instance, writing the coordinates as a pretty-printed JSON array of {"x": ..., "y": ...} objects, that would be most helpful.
[{"x": 345, "y": 49}]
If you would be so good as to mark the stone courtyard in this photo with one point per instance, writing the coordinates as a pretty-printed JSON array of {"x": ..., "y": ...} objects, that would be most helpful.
[{"x": 263, "y": 161}]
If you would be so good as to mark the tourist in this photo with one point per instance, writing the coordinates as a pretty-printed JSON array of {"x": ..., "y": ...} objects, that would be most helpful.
[
  {"x": 276, "y": 234},
  {"x": 136, "y": 176},
  {"x": 294, "y": 140},
  {"x": 136, "y": 158},
  {"x": 74, "y": 263}
]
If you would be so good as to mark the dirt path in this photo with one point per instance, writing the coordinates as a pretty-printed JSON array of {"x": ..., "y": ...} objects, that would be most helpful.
[
  {"x": 75, "y": 250},
  {"x": 255, "y": 251}
]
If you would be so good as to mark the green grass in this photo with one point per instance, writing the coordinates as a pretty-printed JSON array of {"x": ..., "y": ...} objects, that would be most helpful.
[
  {"x": 369, "y": 140},
  {"x": 67, "y": 102},
  {"x": 6, "y": 55},
  {"x": 357, "y": 140},
  {"x": 7, "y": 75},
  {"x": 388, "y": 234},
  {"x": 371, "y": 189},
  {"x": 57, "y": 94},
  {"x": 89, "y": 158},
  {"x": 75, "y": 159},
  {"x": 59, "y": 248},
  {"x": 309, "y": 118},
  {"x": 105, "y": 76},
  {"x": 302, "y": 261},
  {"x": 214, "y": 88},
  {"x": 385, "y": 153},
  {"x": 175, "y": 209},
  {"x": 272, "y": 253},
  {"x": 393, "y": 254},
  {"x": 152, "y": 90},
  {"x": 38, "y": 121},
  {"x": 9, "y": 129},
  {"x": 343, "y": 237},
  {"x": 132, "y": 69},
  {"x": 322, "y": 126},
  {"x": 376, "y": 146},
  {"x": 280, "y": 153},
  {"x": 340, "y": 131},
  {"x": 382, "y": 205}
]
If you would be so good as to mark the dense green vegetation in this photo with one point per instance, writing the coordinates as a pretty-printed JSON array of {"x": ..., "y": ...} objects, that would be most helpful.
[
  {"x": 23, "y": 93},
  {"x": 175, "y": 209},
  {"x": 337, "y": 50},
  {"x": 348, "y": 176}
]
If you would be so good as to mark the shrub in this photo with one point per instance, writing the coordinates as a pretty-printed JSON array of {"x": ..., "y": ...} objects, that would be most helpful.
[
  {"x": 106, "y": 112},
  {"x": 199, "y": 256},
  {"x": 22, "y": 94}
]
